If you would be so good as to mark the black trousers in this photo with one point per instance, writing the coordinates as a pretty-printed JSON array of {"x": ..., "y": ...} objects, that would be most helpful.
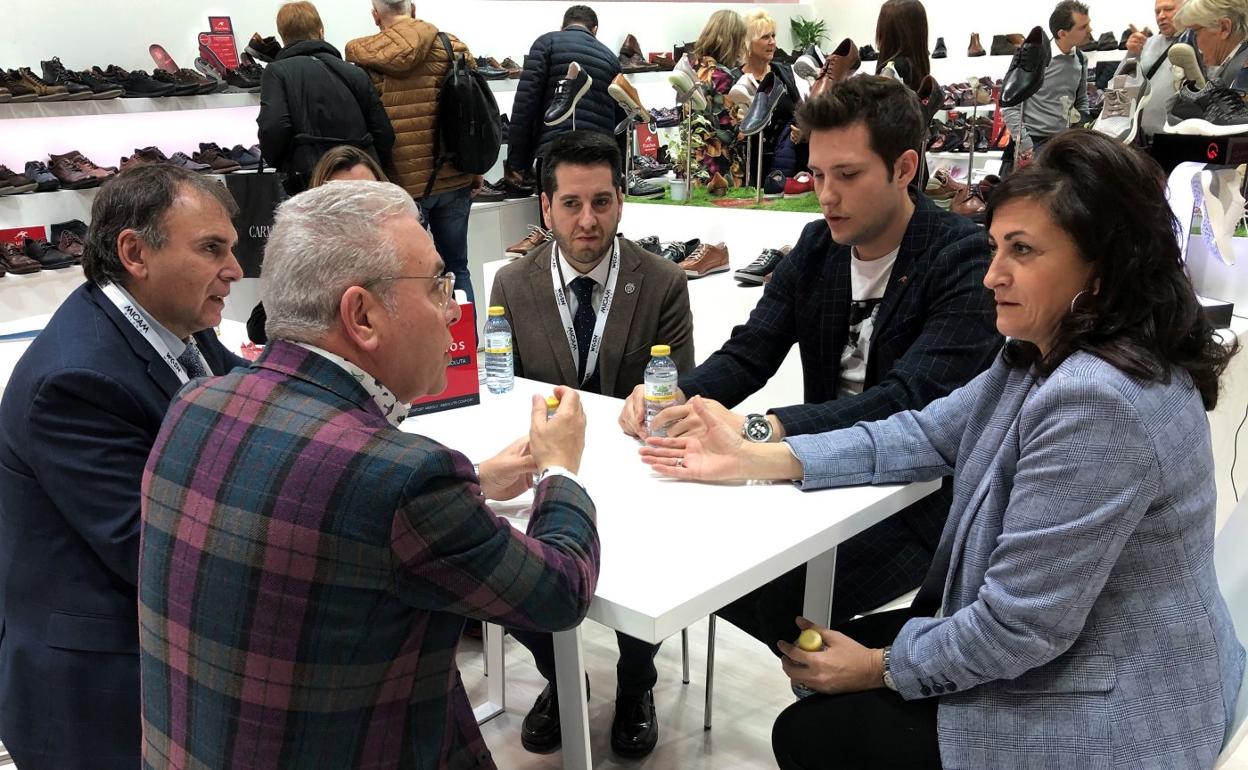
[
  {"x": 635, "y": 673},
  {"x": 867, "y": 730}
]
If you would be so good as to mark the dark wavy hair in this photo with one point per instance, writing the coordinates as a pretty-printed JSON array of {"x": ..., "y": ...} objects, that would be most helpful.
[
  {"x": 1145, "y": 318},
  {"x": 901, "y": 32}
]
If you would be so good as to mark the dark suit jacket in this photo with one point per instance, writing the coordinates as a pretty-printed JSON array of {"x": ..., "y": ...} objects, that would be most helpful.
[
  {"x": 528, "y": 136},
  {"x": 78, "y": 419},
  {"x": 935, "y": 331},
  {"x": 656, "y": 312},
  {"x": 316, "y": 625}
]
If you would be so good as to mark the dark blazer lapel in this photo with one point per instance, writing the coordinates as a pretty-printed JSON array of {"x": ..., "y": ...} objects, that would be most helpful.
[
  {"x": 542, "y": 297},
  {"x": 157, "y": 369},
  {"x": 835, "y": 300},
  {"x": 620, "y": 318},
  {"x": 912, "y": 243}
]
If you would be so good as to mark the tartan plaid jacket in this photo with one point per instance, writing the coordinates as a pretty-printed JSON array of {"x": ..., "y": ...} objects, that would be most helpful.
[{"x": 306, "y": 569}]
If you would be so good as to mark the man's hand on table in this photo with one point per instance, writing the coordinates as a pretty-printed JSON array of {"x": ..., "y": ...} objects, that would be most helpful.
[
  {"x": 633, "y": 415},
  {"x": 508, "y": 473},
  {"x": 561, "y": 439}
]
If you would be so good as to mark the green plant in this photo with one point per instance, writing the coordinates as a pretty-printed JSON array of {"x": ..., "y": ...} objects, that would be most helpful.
[
  {"x": 679, "y": 142},
  {"x": 807, "y": 32}
]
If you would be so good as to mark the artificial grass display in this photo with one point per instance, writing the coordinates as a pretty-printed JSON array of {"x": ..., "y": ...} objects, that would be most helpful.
[{"x": 738, "y": 198}]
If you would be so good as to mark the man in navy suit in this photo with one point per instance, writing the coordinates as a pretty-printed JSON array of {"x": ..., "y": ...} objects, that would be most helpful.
[
  {"x": 886, "y": 303},
  {"x": 78, "y": 419}
]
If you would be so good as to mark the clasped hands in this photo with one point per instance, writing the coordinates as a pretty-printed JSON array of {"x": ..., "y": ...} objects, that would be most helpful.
[{"x": 559, "y": 440}]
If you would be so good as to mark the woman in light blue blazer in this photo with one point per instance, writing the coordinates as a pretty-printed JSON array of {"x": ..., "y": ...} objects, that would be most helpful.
[{"x": 1081, "y": 624}]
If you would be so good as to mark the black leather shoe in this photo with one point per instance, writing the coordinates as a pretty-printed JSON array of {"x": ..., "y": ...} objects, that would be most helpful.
[
  {"x": 763, "y": 106},
  {"x": 1026, "y": 72},
  {"x": 763, "y": 266},
  {"x": 568, "y": 91},
  {"x": 540, "y": 731},
  {"x": 867, "y": 53},
  {"x": 635, "y": 729},
  {"x": 940, "y": 52},
  {"x": 676, "y": 251},
  {"x": 651, "y": 244}
]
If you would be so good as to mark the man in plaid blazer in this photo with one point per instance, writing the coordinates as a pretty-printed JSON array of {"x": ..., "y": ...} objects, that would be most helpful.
[
  {"x": 931, "y": 331},
  {"x": 306, "y": 566}
]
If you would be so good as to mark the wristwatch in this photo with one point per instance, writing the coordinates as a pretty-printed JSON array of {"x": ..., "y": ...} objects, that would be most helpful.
[{"x": 757, "y": 429}]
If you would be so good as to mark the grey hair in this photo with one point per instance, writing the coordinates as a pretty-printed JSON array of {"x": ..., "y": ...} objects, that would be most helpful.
[
  {"x": 1205, "y": 13},
  {"x": 324, "y": 241},
  {"x": 393, "y": 7}
]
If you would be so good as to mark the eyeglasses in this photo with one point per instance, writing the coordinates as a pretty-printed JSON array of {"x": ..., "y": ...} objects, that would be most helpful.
[{"x": 446, "y": 282}]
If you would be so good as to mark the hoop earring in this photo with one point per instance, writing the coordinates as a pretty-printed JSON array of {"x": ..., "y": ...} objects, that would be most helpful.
[{"x": 1076, "y": 299}]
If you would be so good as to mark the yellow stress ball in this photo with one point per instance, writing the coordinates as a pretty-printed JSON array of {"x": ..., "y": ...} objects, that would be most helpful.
[{"x": 810, "y": 640}]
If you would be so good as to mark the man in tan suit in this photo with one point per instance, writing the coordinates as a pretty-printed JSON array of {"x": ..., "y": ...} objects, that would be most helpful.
[
  {"x": 407, "y": 60},
  {"x": 584, "y": 311}
]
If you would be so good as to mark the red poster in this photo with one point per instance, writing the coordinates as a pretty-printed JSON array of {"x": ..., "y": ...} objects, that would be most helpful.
[
  {"x": 647, "y": 141},
  {"x": 462, "y": 387},
  {"x": 16, "y": 235},
  {"x": 221, "y": 25}
]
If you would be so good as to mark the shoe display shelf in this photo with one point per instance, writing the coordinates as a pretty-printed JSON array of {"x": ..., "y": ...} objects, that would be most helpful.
[{"x": 121, "y": 106}]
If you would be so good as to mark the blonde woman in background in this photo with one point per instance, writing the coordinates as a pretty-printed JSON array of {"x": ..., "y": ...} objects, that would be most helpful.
[{"x": 758, "y": 61}]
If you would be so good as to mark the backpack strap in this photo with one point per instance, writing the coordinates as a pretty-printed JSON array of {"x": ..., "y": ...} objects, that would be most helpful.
[
  {"x": 438, "y": 156},
  {"x": 1165, "y": 57}
]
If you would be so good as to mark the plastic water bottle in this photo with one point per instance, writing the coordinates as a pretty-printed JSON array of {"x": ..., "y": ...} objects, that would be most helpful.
[
  {"x": 661, "y": 377},
  {"x": 500, "y": 372},
  {"x": 552, "y": 406}
]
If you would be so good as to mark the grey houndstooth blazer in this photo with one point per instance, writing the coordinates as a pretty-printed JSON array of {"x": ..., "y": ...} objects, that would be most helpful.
[{"x": 1081, "y": 625}]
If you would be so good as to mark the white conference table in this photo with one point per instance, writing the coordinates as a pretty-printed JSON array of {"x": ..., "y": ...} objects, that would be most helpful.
[{"x": 673, "y": 552}]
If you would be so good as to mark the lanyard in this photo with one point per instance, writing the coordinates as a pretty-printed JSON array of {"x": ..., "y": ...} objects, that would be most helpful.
[
  {"x": 565, "y": 314},
  {"x": 138, "y": 319}
]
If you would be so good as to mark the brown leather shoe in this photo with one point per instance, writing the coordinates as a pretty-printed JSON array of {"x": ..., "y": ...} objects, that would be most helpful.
[
  {"x": 942, "y": 187},
  {"x": 663, "y": 61},
  {"x": 14, "y": 261},
  {"x": 536, "y": 237},
  {"x": 706, "y": 260},
  {"x": 840, "y": 64},
  {"x": 5, "y": 95},
  {"x": 45, "y": 91},
  {"x": 1001, "y": 46},
  {"x": 623, "y": 92},
  {"x": 19, "y": 92},
  {"x": 70, "y": 175},
  {"x": 632, "y": 59},
  {"x": 85, "y": 165},
  {"x": 969, "y": 203},
  {"x": 69, "y": 242},
  {"x": 212, "y": 156},
  {"x": 975, "y": 48},
  {"x": 13, "y": 183},
  {"x": 513, "y": 69}
]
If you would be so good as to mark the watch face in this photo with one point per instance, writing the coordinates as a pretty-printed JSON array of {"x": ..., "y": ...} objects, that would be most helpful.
[{"x": 758, "y": 430}]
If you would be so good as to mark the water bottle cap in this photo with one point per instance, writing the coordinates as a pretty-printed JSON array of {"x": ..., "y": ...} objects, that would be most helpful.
[
  {"x": 552, "y": 402},
  {"x": 661, "y": 350},
  {"x": 496, "y": 310}
]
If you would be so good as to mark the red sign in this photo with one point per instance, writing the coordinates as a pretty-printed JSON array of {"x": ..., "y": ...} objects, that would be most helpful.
[
  {"x": 462, "y": 386},
  {"x": 647, "y": 141},
  {"x": 221, "y": 25},
  {"x": 17, "y": 235},
  {"x": 221, "y": 46}
]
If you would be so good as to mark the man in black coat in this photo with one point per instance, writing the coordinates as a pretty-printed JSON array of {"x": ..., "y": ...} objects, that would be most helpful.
[
  {"x": 886, "y": 302},
  {"x": 311, "y": 101},
  {"x": 528, "y": 136}
]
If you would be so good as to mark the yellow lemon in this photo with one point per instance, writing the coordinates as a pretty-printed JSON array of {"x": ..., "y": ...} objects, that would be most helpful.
[{"x": 810, "y": 640}]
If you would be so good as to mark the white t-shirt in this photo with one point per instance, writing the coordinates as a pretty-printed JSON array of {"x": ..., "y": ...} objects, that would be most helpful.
[{"x": 868, "y": 280}]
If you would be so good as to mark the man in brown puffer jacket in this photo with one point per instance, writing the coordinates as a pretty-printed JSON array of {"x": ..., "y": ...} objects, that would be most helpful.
[{"x": 407, "y": 62}]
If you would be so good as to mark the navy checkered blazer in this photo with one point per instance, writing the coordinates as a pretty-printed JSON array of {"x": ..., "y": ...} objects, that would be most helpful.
[{"x": 1081, "y": 623}]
